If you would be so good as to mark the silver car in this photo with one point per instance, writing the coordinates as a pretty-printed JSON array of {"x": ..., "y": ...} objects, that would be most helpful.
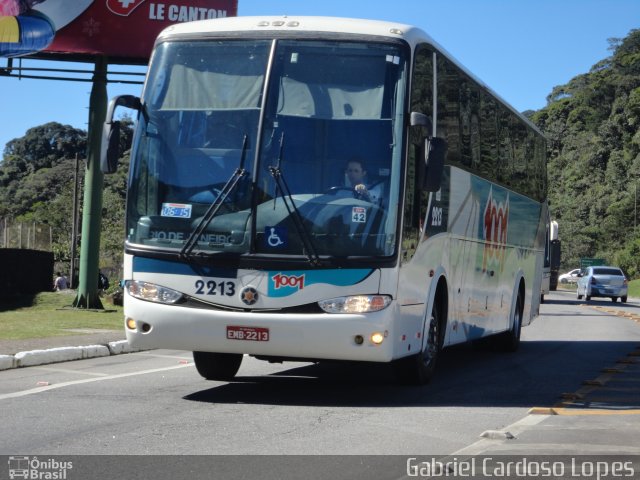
[
  {"x": 569, "y": 277},
  {"x": 602, "y": 282}
]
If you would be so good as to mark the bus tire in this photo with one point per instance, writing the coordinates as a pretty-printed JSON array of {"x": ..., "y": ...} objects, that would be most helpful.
[
  {"x": 419, "y": 369},
  {"x": 510, "y": 341},
  {"x": 217, "y": 366}
]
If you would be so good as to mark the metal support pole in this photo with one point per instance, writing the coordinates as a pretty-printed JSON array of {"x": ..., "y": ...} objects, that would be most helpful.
[
  {"x": 74, "y": 226},
  {"x": 87, "y": 296}
]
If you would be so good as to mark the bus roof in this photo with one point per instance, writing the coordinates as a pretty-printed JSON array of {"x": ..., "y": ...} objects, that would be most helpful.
[
  {"x": 310, "y": 24},
  {"x": 301, "y": 24}
]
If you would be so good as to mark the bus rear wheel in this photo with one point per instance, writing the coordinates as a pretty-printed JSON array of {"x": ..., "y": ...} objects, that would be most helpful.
[
  {"x": 217, "y": 366},
  {"x": 419, "y": 369}
]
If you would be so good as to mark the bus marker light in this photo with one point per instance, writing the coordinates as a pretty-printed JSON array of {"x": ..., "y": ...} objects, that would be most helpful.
[
  {"x": 359, "y": 339},
  {"x": 131, "y": 324}
]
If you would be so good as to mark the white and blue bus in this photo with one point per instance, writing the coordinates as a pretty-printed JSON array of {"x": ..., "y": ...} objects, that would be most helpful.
[{"x": 245, "y": 234}]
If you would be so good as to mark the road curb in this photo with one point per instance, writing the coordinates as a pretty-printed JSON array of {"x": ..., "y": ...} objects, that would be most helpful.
[{"x": 64, "y": 354}]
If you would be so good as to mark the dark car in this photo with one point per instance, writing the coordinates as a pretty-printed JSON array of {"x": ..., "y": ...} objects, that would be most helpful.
[{"x": 602, "y": 282}]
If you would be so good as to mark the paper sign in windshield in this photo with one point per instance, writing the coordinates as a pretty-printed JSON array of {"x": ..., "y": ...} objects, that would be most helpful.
[
  {"x": 176, "y": 210},
  {"x": 359, "y": 215}
]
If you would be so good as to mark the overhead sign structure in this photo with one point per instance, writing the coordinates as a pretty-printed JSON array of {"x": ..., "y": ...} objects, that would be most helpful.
[{"x": 119, "y": 29}]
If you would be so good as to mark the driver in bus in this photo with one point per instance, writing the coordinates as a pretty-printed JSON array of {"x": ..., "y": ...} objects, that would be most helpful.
[{"x": 356, "y": 177}]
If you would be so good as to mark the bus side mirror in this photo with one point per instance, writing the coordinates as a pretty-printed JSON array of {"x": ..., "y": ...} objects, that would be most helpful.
[
  {"x": 110, "y": 149},
  {"x": 418, "y": 119},
  {"x": 435, "y": 149}
]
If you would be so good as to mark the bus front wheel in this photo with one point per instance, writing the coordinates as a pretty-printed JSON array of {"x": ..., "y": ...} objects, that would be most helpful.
[
  {"x": 418, "y": 369},
  {"x": 217, "y": 366}
]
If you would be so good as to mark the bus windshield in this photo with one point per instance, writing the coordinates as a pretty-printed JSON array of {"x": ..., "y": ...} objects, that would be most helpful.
[{"x": 286, "y": 147}]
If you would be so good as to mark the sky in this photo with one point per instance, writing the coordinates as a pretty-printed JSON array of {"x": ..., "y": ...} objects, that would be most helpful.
[{"x": 519, "y": 48}]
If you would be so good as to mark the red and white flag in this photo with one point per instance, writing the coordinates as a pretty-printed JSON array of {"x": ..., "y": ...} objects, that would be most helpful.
[{"x": 123, "y": 7}]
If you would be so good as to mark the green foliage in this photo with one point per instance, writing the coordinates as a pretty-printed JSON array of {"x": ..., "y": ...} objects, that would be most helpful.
[
  {"x": 592, "y": 125},
  {"x": 628, "y": 258},
  {"x": 37, "y": 185}
]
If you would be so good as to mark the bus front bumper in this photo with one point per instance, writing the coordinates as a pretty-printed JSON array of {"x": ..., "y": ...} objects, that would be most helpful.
[{"x": 320, "y": 336}]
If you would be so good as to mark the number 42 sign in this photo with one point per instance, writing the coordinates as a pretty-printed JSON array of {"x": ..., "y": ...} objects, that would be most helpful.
[{"x": 359, "y": 215}]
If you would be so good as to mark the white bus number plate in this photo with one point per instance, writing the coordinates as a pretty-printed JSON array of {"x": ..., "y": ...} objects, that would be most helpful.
[{"x": 255, "y": 334}]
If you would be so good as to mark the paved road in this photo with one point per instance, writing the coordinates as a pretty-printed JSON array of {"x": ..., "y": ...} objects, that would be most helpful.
[{"x": 155, "y": 402}]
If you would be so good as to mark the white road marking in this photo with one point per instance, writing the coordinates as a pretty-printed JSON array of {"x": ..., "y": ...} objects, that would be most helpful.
[
  {"x": 31, "y": 391},
  {"x": 68, "y": 370}
]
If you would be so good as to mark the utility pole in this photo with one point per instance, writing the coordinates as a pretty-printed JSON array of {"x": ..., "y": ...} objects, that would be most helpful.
[{"x": 87, "y": 296}]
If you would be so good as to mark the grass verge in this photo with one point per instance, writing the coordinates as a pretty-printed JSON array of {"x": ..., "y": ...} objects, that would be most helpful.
[
  {"x": 634, "y": 288},
  {"x": 48, "y": 314}
]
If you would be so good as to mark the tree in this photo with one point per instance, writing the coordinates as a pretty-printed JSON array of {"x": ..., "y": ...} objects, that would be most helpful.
[
  {"x": 36, "y": 185},
  {"x": 592, "y": 125}
]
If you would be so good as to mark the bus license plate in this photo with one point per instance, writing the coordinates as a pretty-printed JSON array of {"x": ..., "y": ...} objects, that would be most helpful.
[{"x": 255, "y": 334}]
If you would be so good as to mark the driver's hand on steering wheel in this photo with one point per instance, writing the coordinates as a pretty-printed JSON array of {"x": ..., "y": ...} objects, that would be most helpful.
[{"x": 360, "y": 191}]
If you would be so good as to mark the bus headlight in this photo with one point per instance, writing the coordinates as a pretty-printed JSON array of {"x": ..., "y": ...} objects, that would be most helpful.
[
  {"x": 355, "y": 304},
  {"x": 152, "y": 293}
]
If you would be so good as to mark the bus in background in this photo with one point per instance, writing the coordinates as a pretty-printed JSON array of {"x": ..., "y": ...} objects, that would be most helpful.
[
  {"x": 552, "y": 251},
  {"x": 246, "y": 235}
]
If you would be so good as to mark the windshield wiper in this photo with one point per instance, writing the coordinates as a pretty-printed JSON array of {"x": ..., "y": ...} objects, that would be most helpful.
[
  {"x": 294, "y": 213},
  {"x": 213, "y": 209}
]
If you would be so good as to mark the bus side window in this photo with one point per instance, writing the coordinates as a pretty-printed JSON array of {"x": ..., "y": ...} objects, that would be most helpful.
[{"x": 415, "y": 211}]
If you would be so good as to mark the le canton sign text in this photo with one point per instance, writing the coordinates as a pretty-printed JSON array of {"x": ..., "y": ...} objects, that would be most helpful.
[{"x": 182, "y": 13}]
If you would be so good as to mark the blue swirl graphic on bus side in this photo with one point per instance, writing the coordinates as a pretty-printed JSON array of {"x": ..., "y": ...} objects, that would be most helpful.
[{"x": 283, "y": 284}]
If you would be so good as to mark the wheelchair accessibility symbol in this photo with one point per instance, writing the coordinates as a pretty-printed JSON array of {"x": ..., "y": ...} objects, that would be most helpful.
[{"x": 275, "y": 237}]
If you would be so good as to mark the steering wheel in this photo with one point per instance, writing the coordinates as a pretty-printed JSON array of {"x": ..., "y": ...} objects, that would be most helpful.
[
  {"x": 335, "y": 190},
  {"x": 364, "y": 196}
]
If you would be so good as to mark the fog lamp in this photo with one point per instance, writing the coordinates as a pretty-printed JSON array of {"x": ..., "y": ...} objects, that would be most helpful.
[{"x": 377, "y": 338}]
